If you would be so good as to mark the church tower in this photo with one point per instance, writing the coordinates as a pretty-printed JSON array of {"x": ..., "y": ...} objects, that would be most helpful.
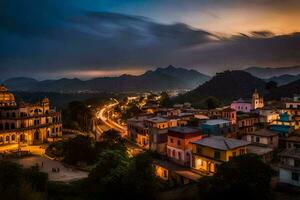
[{"x": 257, "y": 100}]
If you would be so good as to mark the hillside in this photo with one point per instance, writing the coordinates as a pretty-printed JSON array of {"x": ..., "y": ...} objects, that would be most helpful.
[
  {"x": 284, "y": 79},
  {"x": 226, "y": 86},
  {"x": 168, "y": 78},
  {"x": 286, "y": 90},
  {"x": 268, "y": 72}
]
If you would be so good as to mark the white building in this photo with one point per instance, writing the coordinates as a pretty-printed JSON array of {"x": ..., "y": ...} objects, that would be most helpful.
[{"x": 290, "y": 167}]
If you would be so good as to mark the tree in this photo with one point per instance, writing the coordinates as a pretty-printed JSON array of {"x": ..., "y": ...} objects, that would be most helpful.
[
  {"x": 78, "y": 116},
  {"x": 19, "y": 183},
  {"x": 212, "y": 102},
  {"x": 106, "y": 179},
  {"x": 112, "y": 139},
  {"x": 142, "y": 183},
  {"x": 79, "y": 149},
  {"x": 244, "y": 175},
  {"x": 165, "y": 100}
]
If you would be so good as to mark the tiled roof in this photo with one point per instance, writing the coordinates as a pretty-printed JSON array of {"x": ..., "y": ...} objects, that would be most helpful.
[
  {"x": 221, "y": 143},
  {"x": 264, "y": 133}
]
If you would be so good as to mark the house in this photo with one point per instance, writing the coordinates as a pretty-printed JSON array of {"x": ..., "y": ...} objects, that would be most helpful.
[
  {"x": 174, "y": 174},
  {"x": 138, "y": 132},
  {"x": 263, "y": 137},
  {"x": 289, "y": 167},
  {"x": 208, "y": 153},
  {"x": 179, "y": 147},
  {"x": 217, "y": 127},
  {"x": 222, "y": 113},
  {"x": 285, "y": 125},
  {"x": 158, "y": 130},
  {"x": 267, "y": 116},
  {"x": 265, "y": 153},
  {"x": 292, "y": 141},
  {"x": 247, "y": 123}
]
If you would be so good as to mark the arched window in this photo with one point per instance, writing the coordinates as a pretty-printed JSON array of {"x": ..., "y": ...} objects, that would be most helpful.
[
  {"x": 1, "y": 139},
  {"x": 36, "y": 135},
  {"x": 7, "y": 114},
  {"x": 7, "y": 138},
  {"x": 13, "y": 115},
  {"x": 48, "y": 133},
  {"x": 13, "y": 137}
]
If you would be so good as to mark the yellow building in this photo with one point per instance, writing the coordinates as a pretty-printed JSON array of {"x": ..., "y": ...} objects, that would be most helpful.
[
  {"x": 208, "y": 153},
  {"x": 257, "y": 101},
  {"x": 27, "y": 123}
]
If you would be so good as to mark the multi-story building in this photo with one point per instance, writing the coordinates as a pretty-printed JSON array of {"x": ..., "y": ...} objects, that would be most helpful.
[
  {"x": 208, "y": 153},
  {"x": 263, "y": 137},
  {"x": 218, "y": 127},
  {"x": 158, "y": 130},
  {"x": 289, "y": 167},
  {"x": 27, "y": 123},
  {"x": 246, "y": 123},
  {"x": 222, "y": 113},
  {"x": 285, "y": 125},
  {"x": 179, "y": 145},
  {"x": 138, "y": 132},
  {"x": 263, "y": 143},
  {"x": 267, "y": 116}
]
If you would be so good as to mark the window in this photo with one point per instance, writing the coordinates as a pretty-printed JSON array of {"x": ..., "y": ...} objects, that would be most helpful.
[
  {"x": 178, "y": 142},
  {"x": 179, "y": 155},
  {"x": 234, "y": 154},
  {"x": 257, "y": 139},
  {"x": 173, "y": 153},
  {"x": 198, "y": 150},
  {"x": 217, "y": 155},
  {"x": 171, "y": 140},
  {"x": 295, "y": 176},
  {"x": 242, "y": 151}
]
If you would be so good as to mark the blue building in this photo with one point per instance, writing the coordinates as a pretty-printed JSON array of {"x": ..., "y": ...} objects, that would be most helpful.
[
  {"x": 217, "y": 127},
  {"x": 284, "y": 125}
]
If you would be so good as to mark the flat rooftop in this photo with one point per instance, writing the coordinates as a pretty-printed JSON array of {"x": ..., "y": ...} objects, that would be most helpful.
[{"x": 212, "y": 122}]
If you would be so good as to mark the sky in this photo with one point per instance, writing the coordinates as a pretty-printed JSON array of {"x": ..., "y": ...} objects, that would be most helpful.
[{"x": 52, "y": 39}]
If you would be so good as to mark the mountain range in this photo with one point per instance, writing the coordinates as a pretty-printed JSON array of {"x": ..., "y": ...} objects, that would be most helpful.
[
  {"x": 284, "y": 79},
  {"x": 268, "y": 72},
  {"x": 168, "y": 78}
]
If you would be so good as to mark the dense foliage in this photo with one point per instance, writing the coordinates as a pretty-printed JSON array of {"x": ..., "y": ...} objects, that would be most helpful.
[
  {"x": 19, "y": 183},
  {"x": 243, "y": 177}
]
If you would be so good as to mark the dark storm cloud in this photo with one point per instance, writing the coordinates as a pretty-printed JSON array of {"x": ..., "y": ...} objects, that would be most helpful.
[{"x": 54, "y": 38}]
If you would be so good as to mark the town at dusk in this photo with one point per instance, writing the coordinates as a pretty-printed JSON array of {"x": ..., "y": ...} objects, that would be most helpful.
[{"x": 146, "y": 99}]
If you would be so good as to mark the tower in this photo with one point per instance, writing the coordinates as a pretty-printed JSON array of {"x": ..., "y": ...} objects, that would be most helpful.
[{"x": 257, "y": 100}]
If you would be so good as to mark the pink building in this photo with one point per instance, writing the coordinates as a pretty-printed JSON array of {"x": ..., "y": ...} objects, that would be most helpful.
[{"x": 242, "y": 105}]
